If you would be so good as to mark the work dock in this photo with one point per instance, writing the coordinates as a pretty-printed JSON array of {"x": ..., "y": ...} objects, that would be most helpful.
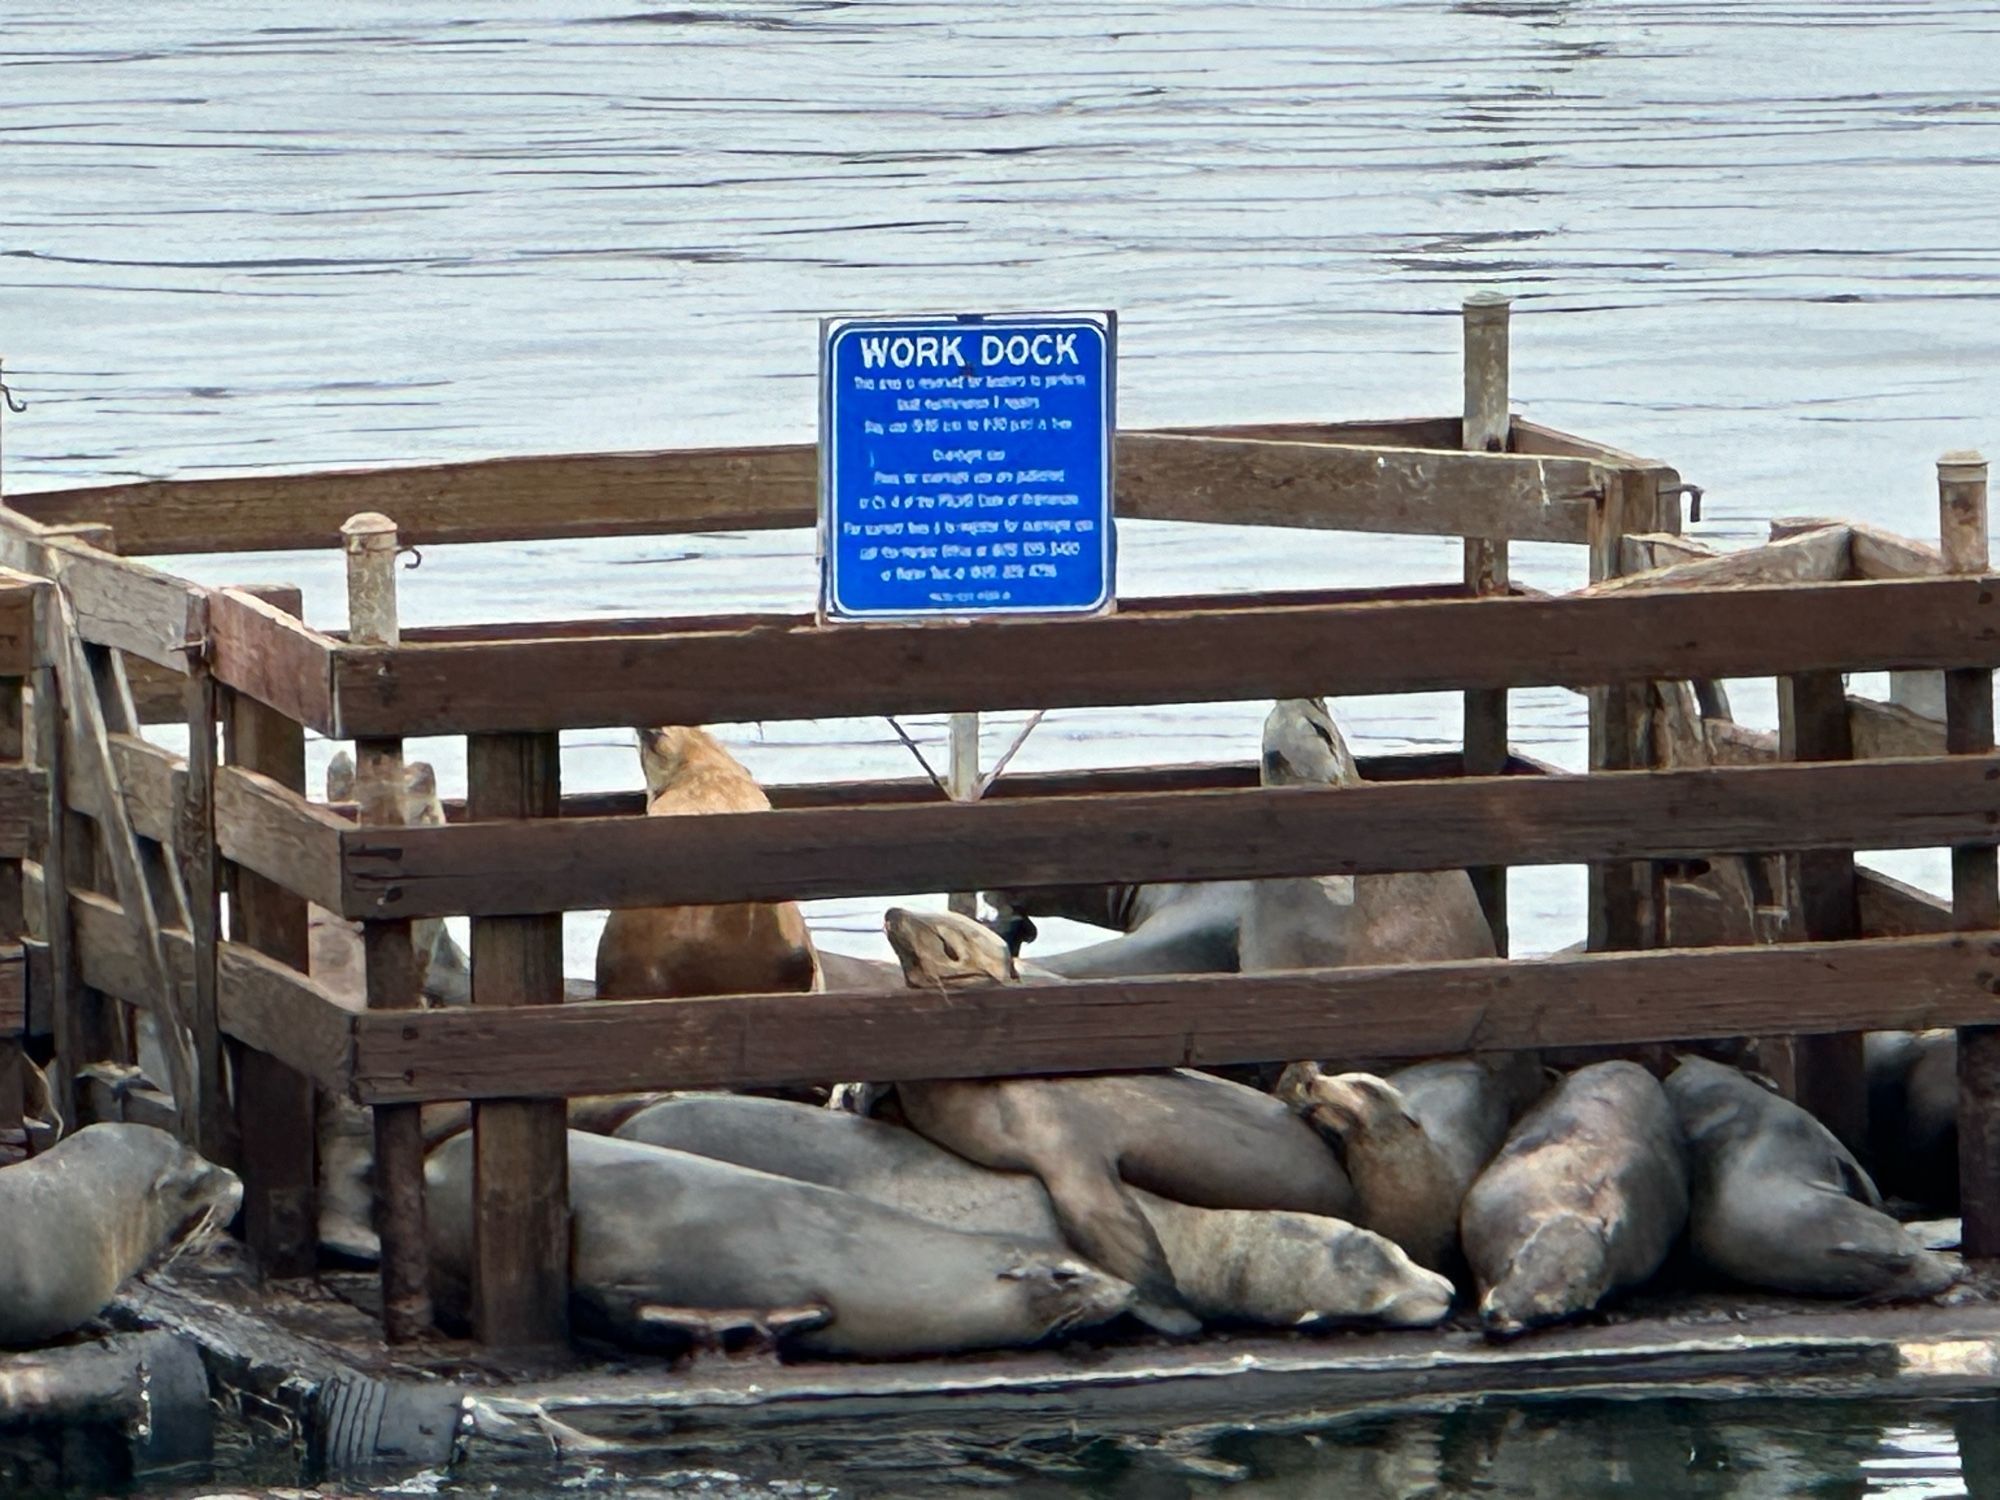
[{"x": 1725, "y": 903}]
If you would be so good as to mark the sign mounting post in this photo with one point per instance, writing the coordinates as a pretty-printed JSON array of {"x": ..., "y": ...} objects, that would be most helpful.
[{"x": 966, "y": 472}]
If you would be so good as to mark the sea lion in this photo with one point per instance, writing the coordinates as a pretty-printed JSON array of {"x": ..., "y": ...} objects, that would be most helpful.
[
  {"x": 1913, "y": 1115},
  {"x": 1281, "y": 1269},
  {"x": 1165, "y": 929},
  {"x": 749, "y": 947},
  {"x": 447, "y": 971},
  {"x": 1779, "y": 1203},
  {"x": 1092, "y": 1137},
  {"x": 82, "y": 1218},
  {"x": 1586, "y": 1198},
  {"x": 658, "y": 1236},
  {"x": 1335, "y": 921}
]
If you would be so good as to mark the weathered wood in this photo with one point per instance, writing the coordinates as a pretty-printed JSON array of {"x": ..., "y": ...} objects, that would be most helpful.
[
  {"x": 264, "y": 825},
  {"x": 275, "y": 1107},
  {"x": 192, "y": 844},
  {"x": 1975, "y": 875},
  {"x": 1484, "y": 429},
  {"x": 520, "y": 1279},
  {"x": 1733, "y": 744},
  {"x": 393, "y": 977},
  {"x": 272, "y": 656},
  {"x": 115, "y": 602},
  {"x": 736, "y": 489},
  {"x": 1106, "y": 1025},
  {"x": 154, "y": 783},
  {"x": 1534, "y": 437},
  {"x": 1831, "y": 1083},
  {"x": 1643, "y": 552},
  {"x": 13, "y": 992},
  {"x": 21, "y": 599},
  {"x": 1891, "y": 908},
  {"x": 1817, "y": 556},
  {"x": 1881, "y": 731},
  {"x": 52, "y": 858},
  {"x": 1619, "y": 893},
  {"x": 156, "y": 691},
  {"x": 1397, "y": 432},
  {"x": 1882, "y": 554},
  {"x": 268, "y": 1005},
  {"x": 13, "y": 926},
  {"x": 790, "y": 669},
  {"x": 585, "y": 863}
]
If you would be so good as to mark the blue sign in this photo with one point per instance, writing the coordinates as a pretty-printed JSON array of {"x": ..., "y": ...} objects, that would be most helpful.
[{"x": 965, "y": 465}]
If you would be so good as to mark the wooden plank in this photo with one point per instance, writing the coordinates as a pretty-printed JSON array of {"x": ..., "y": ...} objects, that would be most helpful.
[
  {"x": 1231, "y": 653},
  {"x": 111, "y": 960},
  {"x": 278, "y": 1012},
  {"x": 1891, "y": 908},
  {"x": 520, "y": 1275},
  {"x": 1409, "y": 491},
  {"x": 1888, "y": 730},
  {"x": 1618, "y": 892},
  {"x": 1106, "y": 1025},
  {"x": 1818, "y": 556},
  {"x": 273, "y": 657},
  {"x": 116, "y": 602},
  {"x": 192, "y": 849},
  {"x": 1535, "y": 437},
  {"x": 20, "y": 605},
  {"x": 265, "y": 826},
  {"x": 1484, "y": 428},
  {"x": 23, "y": 809},
  {"x": 1642, "y": 552},
  {"x": 52, "y": 855},
  {"x": 155, "y": 691},
  {"x": 275, "y": 1107},
  {"x": 13, "y": 992},
  {"x": 154, "y": 783},
  {"x": 1882, "y": 554},
  {"x": 1733, "y": 744},
  {"x": 562, "y": 495},
  {"x": 1830, "y": 1080},
  {"x": 587, "y": 863}
]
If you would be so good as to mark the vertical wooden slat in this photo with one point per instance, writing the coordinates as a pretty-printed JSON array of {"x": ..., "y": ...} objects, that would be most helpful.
[
  {"x": 1485, "y": 429},
  {"x": 197, "y": 861},
  {"x": 520, "y": 1284},
  {"x": 1975, "y": 877},
  {"x": 393, "y": 978},
  {"x": 13, "y": 914},
  {"x": 962, "y": 780},
  {"x": 1827, "y": 1074},
  {"x": 275, "y": 1108},
  {"x": 1618, "y": 890}
]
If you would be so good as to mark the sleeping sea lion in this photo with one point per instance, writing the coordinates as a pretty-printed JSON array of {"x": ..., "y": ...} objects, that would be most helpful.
[
  {"x": 1335, "y": 921},
  {"x": 1092, "y": 1137},
  {"x": 81, "y": 1219},
  {"x": 1586, "y": 1198},
  {"x": 1779, "y": 1203},
  {"x": 1281, "y": 1269},
  {"x": 658, "y": 1238},
  {"x": 750, "y": 947},
  {"x": 1164, "y": 929}
]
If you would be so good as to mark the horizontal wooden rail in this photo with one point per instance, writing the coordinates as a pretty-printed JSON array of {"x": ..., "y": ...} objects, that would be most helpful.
[
  {"x": 283, "y": 837},
  {"x": 23, "y": 809},
  {"x": 1231, "y": 650},
  {"x": 21, "y": 649},
  {"x": 501, "y": 868},
  {"x": 759, "y": 488},
  {"x": 117, "y": 602},
  {"x": 13, "y": 992},
  {"x": 1107, "y": 1025},
  {"x": 273, "y": 657}
]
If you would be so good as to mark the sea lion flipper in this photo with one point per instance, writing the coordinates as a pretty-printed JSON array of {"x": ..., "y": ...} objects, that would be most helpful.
[
  {"x": 1098, "y": 1215},
  {"x": 722, "y": 1327}
]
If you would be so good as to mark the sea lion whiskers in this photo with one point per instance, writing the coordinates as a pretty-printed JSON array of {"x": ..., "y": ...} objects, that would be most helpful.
[{"x": 948, "y": 950}]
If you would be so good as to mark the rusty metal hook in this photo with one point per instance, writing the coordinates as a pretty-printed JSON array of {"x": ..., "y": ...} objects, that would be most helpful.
[
  {"x": 416, "y": 557},
  {"x": 1693, "y": 493},
  {"x": 14, "y": 403}
]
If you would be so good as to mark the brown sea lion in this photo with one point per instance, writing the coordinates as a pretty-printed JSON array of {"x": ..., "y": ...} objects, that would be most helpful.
[
  {"x": 1586, "y": 1198},
  {"x": 1779, "y": 1203},
  {"x": 751, "y": 947},
  {"x": 1183, "y": 1135},
  {"x": 1258, "y": 1266},
  {"x": 1336, "y": 921},
  {"x": 659, "y": 1237},
  {"x": 82, "y": 1218}
]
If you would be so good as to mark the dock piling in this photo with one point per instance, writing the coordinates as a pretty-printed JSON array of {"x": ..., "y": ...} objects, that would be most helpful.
[
  {"x": 1486, "y": 429},
  {"x": 393, "y": 979},
  {"x": 1975, "y": 877}
]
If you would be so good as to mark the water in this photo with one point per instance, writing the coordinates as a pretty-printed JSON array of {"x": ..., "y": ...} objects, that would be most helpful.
[{"x": 1759, "y": 240}]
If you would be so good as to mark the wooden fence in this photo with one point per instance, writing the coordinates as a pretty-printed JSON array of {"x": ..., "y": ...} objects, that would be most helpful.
[{"x": 1668, "y": 786}]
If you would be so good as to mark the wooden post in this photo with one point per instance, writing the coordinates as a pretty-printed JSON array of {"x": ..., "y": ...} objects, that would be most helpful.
[
  {"x": 1828, "y": 1078},
  {"x": 275, "y": 1109},
  {"x": 520, "y": 1279},
  {"x": 963, "y": 783},
  {"x": 13, "y": 915},
  {"x": 1618, "y": 891},
  {"x": 1485, "y": 430},
  {"x": 394, "y": 982},
  {"x": 194, "y": 851},
  {"x": 1975, "y": 878}
]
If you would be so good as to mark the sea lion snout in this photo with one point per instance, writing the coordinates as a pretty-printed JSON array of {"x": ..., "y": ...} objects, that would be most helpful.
[
  {"x": 944, "y": 948},
  {"x": 1066, "y": 1294},
  {"x": 1561, "y": 1269}
]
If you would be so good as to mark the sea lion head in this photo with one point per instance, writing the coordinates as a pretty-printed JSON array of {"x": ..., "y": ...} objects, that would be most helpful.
[
  {"x": 1369, "y": 1276},
  {"x": 420, "y": 793},
  {"x": 1562, "y": 1268},
  {"x": 664, "y": 752},
  {"x": 1350, "y": 1104},
  {"x": 942, "y": 948},
  {"x": 180, "y": 1197},
  {"x": 1303, "y": 746},
  {"x": 1064, "y": 1292}
]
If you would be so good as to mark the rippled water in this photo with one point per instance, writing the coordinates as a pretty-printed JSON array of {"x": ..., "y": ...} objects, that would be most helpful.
[{"x": 1759, "y": 240}]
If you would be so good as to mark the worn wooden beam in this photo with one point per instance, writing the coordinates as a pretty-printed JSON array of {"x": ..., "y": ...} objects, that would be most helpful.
[
  {"x": 13, "y": 993},
  {"x": 271, "y": 1008},
  {"x": 1643, "y": 552},
  {"x": 116, "y": 602},
  {"x": 520, "y": 1274},
  {"x": 1892, "y": 908},
  {"x": 1536, "y": 438},
  {"x": 1817, "y": 556},
  {"x": 191, "y": 845},
  {"x": 264, "y": 825},
  {"x": 1236, "y": 650},
  {"x": 275, "y": 1107},
  {"x": 1485, "y": 428},
  {"x": 1883, "y": 730},
  {"x": 21, "y": 602},
  {"x": 585, "y": 863},
  {"x": 271, "y": 656},
  {"x": 1829, "y": 1077},
  {"x": 1106, "y": 1025}
]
